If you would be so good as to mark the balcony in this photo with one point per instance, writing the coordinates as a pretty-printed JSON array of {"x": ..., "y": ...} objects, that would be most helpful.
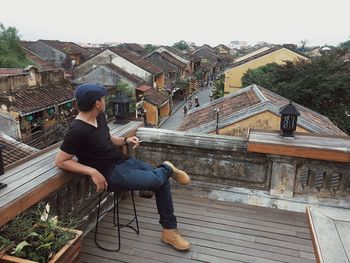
[{"x": 240, "y": 207}]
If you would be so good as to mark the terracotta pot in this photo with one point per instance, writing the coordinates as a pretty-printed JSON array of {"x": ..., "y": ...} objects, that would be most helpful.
[{"x": 70, "y": 253}]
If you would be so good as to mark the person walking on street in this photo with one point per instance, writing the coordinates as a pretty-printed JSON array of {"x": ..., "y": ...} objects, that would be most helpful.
[
  {"x": 211, "y": 95},
  {"x": 100, "y": 158},
  {"x": 196, "y": 102},
  {"x": 190, "y": 103},
  {"x": 185, "y": 110}
]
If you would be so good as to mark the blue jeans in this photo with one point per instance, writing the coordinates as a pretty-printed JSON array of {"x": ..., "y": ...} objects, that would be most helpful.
[{"x": 133, "y": 174}]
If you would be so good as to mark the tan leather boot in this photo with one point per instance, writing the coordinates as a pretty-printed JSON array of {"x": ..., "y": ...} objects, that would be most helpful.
[
  {"x": 179, "y": 175},
  {"x": 174, "y": 238}
]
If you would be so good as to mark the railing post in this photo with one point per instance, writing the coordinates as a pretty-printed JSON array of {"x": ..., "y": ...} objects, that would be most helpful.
[{"x": 2, "y": 168}]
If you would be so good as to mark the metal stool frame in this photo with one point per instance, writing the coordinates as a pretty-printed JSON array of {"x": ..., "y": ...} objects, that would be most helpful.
[{"x": 117, "y": 224}]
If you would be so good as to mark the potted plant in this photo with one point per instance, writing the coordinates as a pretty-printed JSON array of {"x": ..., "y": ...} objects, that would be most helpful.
[{"x": 37, "y": 236}]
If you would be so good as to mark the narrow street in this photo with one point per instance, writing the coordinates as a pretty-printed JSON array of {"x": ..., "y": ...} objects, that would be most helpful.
[{"x": 174, "y": 120}]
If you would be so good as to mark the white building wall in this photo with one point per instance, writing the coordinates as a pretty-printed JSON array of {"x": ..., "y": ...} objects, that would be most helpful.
[{"x": 132, "y": 68}]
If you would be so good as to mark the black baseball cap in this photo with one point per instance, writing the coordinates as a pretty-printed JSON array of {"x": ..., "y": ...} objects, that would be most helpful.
[{"x": 87, "y": 94}]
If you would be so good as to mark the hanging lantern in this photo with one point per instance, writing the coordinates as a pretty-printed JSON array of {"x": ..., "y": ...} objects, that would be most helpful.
[
  {"x": 289, "y": 117},
  {"x": 121, "y": 108},
  {"x": 68, "y": 105},
  {"x": 29, "y": 117},
  {"x": 50, "y": 111}
]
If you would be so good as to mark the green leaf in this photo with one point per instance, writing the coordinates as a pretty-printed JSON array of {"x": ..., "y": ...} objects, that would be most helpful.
[
  {"x": 32, "y": 234},
  {"x": 45, "y": 246},
  {"x": 20, "y": 246}
]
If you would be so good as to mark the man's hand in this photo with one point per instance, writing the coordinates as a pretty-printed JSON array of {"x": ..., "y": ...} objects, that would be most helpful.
[
  {"x": 134, "y": 141},
  {"x": 99, "y": 180}
]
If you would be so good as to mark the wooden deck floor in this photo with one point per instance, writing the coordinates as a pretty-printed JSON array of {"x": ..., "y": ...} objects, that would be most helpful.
[{"x": 220, "y": 232}]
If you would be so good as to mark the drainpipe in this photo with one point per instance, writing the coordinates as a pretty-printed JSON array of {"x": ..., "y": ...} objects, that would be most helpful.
[{"x": 2, "y": 168}]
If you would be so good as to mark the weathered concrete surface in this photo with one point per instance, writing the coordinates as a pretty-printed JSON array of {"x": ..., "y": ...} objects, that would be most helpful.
[
  {"x": 283, "y": 176},
  {"x": 207, "y": 158},
  {"x": 221, "y": 168}
]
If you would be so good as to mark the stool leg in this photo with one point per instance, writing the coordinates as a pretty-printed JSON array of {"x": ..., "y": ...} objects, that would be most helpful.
[
  {"x": 97, "y": 219},
  {"x": 137, "y": 221},
  {"x": 118, "y": 223}
]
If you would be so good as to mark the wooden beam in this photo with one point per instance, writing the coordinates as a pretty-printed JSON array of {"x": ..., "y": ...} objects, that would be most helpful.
[
  {"x": 313, "y": 236},
  {"x": 303, "y": 152}
]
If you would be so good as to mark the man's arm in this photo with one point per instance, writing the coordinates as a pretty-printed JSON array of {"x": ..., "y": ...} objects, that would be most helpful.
[
  {"x": 65, "y": 161},
  {"x": 120, "y": 141}
]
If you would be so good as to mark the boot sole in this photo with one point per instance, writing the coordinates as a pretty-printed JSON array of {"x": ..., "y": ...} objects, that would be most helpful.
[{"x": 168, "y": 243}]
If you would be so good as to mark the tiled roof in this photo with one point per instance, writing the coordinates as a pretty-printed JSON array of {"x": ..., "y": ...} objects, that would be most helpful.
[
  {"x": 205, "y": 54},
  {"x": 261, "y": 54},
  {"x": 248, "y": 102},
  {"x": 36, "y": 99},
  {"x": 67, "y": 47},
  {"x": 177, "y": 52},
  {"x": 138, "y": 61},
  {"x": 173, "y": 60},
  {"x": 206, "y": 47},
  {"x": 11, "y": 71},
  {"x": 26, "y": 44},
  {"x": 306, "y": 113},
  {"x": 228, "y": 105},
  {"x": 40, "y": 62},
  {"x": 123, "y": 73},
  {"x": 143, "y": 88},
  {"x": 223, "y": 46},
  {"x": 134, "y": 47},
  {"x": 156, "y": 97},
  {"x": 14, "y": 150}
]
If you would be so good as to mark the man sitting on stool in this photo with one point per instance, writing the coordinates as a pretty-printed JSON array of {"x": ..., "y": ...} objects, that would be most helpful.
[{"x": 88, "y": 139}]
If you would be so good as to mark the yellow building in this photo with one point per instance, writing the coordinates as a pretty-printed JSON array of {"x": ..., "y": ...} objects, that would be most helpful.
[
  {"x": 252, "y": 107},
  {"x": 156, "y": 105},
  {"x": 258, "y": 58}
]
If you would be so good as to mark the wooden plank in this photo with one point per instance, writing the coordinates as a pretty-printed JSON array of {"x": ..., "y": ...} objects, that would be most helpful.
[
  {"x": 302, "y": 152},
  {"x": 328, "y": 247},
  {"x": 233, "y": 205},
  {"x": 149, "y": 230},
  {"x": 25, "y": 160},
  {"x": 23, "y": 202},
  {"x": 25, "y": 179},
  {"x": 28, "y": 165},
  {"x": 239, "y": 233},
  {"x": 314, "y": 146},
  {"x": 277, "y": 254},
  {"x": 192, "y": 210},
  {"x": 155, "y": 245},
  {"x": 210, "y": 243},
  {"x": 227, "y": 220},
  {"x": 214, "y": 244}
]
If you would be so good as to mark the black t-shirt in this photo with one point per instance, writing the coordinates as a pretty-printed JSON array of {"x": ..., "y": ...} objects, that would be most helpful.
[{"x": 92, "y": 146}]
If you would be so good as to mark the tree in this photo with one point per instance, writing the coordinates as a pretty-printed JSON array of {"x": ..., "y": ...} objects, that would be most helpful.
[
  {"x": 321, "y": 84},
  {"x": 149, "y": 48},
  {"x": 218, "y": 90},
  {"x": 181, "y": 45},
  {"x": 11, "y": 52},
  {"x": 262, "y": 75},
  {"x": 345, "y": 46}
]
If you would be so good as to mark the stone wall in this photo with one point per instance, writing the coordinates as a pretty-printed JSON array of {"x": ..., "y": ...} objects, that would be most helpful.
[
  {"x": 217, "y": 160},
  {"x": 222, "y": 162}
]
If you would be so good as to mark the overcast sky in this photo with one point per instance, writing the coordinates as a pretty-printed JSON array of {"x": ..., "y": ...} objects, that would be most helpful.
[{"x": 165, "y": 22}]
